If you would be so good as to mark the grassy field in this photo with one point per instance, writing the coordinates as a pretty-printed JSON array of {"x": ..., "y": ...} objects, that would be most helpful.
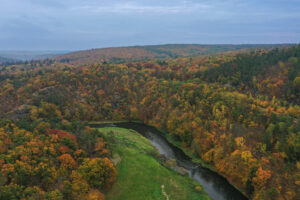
[{"x": 140, "y": 175}]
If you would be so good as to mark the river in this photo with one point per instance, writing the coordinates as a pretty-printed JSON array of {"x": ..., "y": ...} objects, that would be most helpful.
[{"x": 216, "y": 186}]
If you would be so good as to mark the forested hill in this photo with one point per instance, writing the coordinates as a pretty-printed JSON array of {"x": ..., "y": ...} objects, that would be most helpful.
[
  {"x": 274, "y": 73},
  {"x": 239, "y": 113},
  {"x": 19, "y": 56},
  {"x": 4, "y": 60},
  {"x": 134, "y": 53}
]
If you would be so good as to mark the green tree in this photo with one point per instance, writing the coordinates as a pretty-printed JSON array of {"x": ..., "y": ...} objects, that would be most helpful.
[{"x": 99, "y": 172}]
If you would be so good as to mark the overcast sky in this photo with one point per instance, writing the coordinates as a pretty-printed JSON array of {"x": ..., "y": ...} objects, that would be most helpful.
[{"x": 86, "y": 24}]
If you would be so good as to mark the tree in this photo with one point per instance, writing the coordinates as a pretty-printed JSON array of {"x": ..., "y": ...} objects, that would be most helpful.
[
  {"x": 261, "y": 178},
  {"x": 99, "y": 172},
  {"x": 95, "y": 195},
  {"x": 42, "y": 127},
  {"x": 268, "y": 136},
  {"x": 67, "y": 161},
  {"x": 297, "y": 83},
  {"x": 54, "y": 195}
]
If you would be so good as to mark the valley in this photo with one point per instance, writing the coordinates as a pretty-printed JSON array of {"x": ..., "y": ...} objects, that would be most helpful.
[{"x": 235, "y": 112}]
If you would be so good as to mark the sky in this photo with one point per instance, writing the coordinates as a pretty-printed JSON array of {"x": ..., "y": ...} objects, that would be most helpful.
[{"x": 86, "y": 24}]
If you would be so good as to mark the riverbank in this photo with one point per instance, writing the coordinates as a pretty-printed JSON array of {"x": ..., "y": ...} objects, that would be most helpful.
[
  {"x": 200, "y": 161},
  {"x": 194, "y": 158},
  {"x": 177, "y": 144},
  {"x": 140, "y": 174},
  {"x": 215, "y": 184}
]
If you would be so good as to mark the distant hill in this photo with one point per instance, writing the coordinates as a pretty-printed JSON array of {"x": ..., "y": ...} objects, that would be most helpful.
[
  {"x": 124, "y": 54},
  {"x": 30, "y": 55},
  {"x": 6, "y": 60}
]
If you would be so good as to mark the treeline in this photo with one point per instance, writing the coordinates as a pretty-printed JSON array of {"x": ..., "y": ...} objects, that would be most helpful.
[
  {"x": 117, "y": 55},
  {"x": 247, "y": 134}
]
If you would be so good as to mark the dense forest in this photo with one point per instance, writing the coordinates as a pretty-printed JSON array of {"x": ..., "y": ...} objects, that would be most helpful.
[
  {"x": 53, "y": 164},
  {"x": 239, "y": 112},
  {"x": 138, "y": 53}
]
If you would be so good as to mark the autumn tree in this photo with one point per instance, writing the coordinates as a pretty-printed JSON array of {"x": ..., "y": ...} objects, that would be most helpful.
[{"x": 99, "y": 172}]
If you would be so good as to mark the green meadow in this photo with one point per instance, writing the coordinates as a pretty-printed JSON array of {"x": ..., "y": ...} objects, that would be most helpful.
[{"x": 140, "y": 174}]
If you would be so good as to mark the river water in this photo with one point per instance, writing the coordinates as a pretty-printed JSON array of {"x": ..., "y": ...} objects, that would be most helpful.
[{"x": 216, "y": 186}]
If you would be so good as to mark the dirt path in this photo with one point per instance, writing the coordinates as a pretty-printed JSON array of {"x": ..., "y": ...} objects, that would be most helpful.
[{"x": 164, "y": 192}]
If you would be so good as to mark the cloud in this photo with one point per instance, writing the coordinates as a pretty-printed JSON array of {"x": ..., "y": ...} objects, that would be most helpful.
[
  {"x": 81, "y": 24},
  {"x": 133, "y": 7}
]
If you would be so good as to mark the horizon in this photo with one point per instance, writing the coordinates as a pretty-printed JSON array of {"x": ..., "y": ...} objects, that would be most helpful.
[
  {"x": 37, "y": 25},
  {"x": 2, "y": 51}
]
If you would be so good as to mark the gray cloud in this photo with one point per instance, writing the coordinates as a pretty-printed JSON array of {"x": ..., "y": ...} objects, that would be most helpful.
[
  {"x": 130, "y": 7},
  {"x": 79, "y": 24}
]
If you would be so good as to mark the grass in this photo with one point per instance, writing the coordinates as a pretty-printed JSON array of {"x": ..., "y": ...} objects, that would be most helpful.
[{"x": 140, "y": 174}]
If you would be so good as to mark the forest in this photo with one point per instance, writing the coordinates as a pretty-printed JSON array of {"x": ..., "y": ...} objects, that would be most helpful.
[
  {"x": 237, "y": 111},
  {"x": 138, "y": 53}
]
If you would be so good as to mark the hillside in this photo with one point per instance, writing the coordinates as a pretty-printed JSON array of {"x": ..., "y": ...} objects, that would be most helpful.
[
  {"x": 124, "y": 54},
  {"x": 272, "y": 74},
  {"x": 30, "y": 55},
  {"x": 238, "y": 112}
]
